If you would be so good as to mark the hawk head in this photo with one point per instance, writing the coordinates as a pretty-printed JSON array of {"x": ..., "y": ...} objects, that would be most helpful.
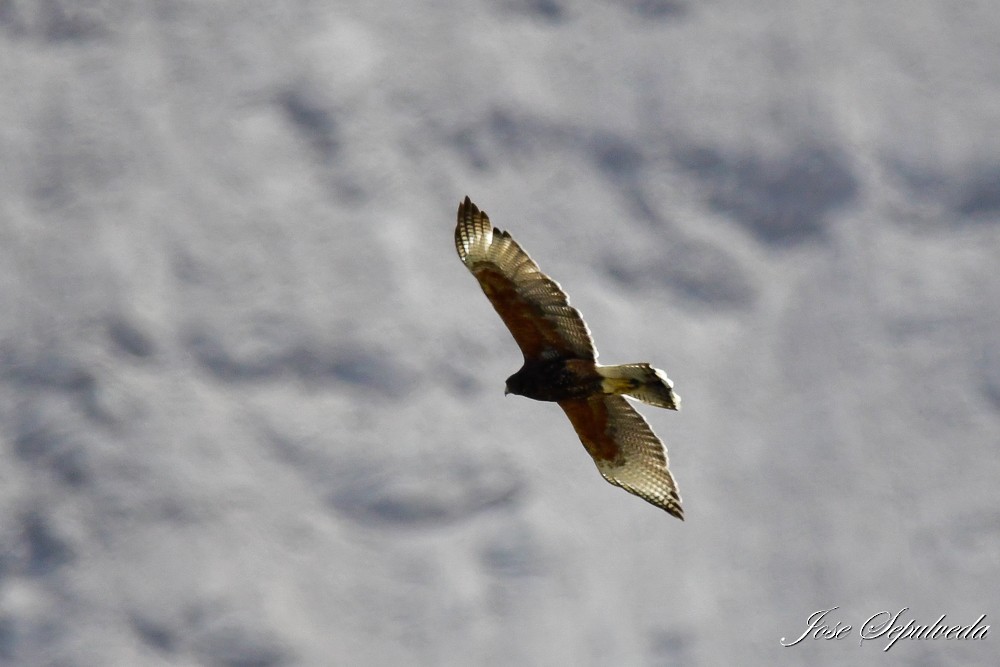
[{"x": 519, "y": 383}]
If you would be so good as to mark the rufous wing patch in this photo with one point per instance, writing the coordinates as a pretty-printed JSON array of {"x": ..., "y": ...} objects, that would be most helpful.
[
  {"x": 531, "y": 330},
  {"x": 590, "y": 421}
]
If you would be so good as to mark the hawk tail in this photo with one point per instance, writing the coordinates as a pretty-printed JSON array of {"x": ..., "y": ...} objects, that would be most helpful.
[{"x": 640, "y": 381}]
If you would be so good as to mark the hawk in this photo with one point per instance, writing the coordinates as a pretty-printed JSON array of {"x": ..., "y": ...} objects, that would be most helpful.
[{"x": 560, "y": 363}]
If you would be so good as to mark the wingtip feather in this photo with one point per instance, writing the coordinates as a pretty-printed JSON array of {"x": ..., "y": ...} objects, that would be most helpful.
[
  {"x": 467, "y": 208},
  {"x": 473, "y": 233}
]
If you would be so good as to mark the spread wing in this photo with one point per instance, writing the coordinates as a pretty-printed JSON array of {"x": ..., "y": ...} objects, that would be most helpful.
[
  {"x": 531, "y": 304},
  {"x": 625, "y": 449}
]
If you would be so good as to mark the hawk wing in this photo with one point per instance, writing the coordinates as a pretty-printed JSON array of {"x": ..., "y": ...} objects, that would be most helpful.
[
  {"x": 625, "y": 449},
  {"x": 531, "y": 304}
]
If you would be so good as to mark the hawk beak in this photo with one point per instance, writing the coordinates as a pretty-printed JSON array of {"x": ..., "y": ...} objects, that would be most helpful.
[{"x": 506, "y": 390}]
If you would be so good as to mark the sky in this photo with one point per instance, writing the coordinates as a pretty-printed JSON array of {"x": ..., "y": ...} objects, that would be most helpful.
[{"x": 251, "y": 402}]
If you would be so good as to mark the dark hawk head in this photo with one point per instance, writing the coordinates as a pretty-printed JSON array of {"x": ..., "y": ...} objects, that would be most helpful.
[
  {"x": 518, "y": 384},
  {"x": 512, "y": 385}
]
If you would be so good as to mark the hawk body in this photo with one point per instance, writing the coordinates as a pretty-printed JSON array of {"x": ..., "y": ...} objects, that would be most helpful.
[
  {"x": 560, "y": 363},
  {"x": 558, "y": 379}
]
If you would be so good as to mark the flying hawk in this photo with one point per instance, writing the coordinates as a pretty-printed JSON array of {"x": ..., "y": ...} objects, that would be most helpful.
[{"x": 560, "y": 363}]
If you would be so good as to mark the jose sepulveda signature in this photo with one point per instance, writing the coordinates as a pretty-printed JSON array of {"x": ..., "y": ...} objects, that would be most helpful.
[{"x": 889, "y": 627}]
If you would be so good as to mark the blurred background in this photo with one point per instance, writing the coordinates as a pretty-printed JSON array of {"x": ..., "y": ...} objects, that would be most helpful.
[{"x": 251, "y": 402}]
